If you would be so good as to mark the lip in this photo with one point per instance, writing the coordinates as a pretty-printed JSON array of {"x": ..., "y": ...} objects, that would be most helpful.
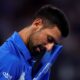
[{"x": 38, "y": 49}]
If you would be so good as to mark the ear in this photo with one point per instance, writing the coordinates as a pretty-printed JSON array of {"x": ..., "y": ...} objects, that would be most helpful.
[{"x": 37, "y": 24}]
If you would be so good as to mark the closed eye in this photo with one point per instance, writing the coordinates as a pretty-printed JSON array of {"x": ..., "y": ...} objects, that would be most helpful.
[{"x": 50, "y": 39}]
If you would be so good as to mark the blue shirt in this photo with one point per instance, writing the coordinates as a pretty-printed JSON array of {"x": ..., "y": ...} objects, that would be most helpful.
[{"x": 14, "y": 64}]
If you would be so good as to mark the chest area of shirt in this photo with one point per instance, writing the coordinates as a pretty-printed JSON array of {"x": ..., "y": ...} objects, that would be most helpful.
[{"x": 26, "y": 73}]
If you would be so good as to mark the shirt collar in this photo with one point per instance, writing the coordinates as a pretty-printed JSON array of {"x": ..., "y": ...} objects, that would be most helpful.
[{"x": 20, "y": 44}]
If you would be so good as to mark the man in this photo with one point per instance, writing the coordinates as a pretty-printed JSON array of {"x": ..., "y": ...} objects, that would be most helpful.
[{"x": 20, "y": 52}]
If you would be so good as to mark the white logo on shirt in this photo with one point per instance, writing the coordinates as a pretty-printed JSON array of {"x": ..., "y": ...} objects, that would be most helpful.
[
  {"x": 7, "y": 75},
  {"x": 22, "y": 77}
]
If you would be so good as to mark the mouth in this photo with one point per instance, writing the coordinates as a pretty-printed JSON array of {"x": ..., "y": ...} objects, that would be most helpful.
[{"x": 39, "y": 51}]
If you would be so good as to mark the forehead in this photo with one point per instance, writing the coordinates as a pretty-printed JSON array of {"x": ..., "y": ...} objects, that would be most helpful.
[{"x": 54, "y": 32}]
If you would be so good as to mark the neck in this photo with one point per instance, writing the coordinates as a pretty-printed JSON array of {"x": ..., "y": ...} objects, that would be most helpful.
[{"x": 26, "y": 33}]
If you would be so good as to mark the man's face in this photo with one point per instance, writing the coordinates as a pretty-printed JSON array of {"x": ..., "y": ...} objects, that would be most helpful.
[{"x": 43, "y": 40}]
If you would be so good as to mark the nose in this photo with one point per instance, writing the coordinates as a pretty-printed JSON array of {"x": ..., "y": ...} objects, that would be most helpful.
[{"x": 49, "y": 46}]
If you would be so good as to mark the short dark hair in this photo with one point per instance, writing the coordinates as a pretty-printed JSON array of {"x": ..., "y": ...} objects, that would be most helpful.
[{"x": 54, "y": 16}]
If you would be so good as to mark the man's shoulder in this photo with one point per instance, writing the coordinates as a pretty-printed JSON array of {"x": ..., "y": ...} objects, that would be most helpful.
[
  {"x": 11, "y": 65},
  {"x": 7, "y": 54},
  {"x": 5, "y": 48},
  {"x": 12, "y": 59},
  {"x": 9, "y": 58}
]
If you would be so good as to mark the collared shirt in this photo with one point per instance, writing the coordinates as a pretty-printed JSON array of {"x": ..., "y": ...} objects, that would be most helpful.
[{"x": 14, "y": 56}]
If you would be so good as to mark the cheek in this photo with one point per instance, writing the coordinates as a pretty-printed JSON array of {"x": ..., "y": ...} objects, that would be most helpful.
[
  {"x": 39, "y": 39},
  {"x": 35, "y": 39},
  {"x": 42, "y": 39}
]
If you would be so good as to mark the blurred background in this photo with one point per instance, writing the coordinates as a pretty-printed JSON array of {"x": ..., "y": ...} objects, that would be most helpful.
[{"x": 16, "y": 14}]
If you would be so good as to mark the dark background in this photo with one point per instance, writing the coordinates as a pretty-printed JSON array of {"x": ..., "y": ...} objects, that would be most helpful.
[{"x": 16, "y": 14}]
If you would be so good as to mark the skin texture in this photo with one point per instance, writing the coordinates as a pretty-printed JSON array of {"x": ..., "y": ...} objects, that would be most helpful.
[{"x": 39, "y": 39}]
